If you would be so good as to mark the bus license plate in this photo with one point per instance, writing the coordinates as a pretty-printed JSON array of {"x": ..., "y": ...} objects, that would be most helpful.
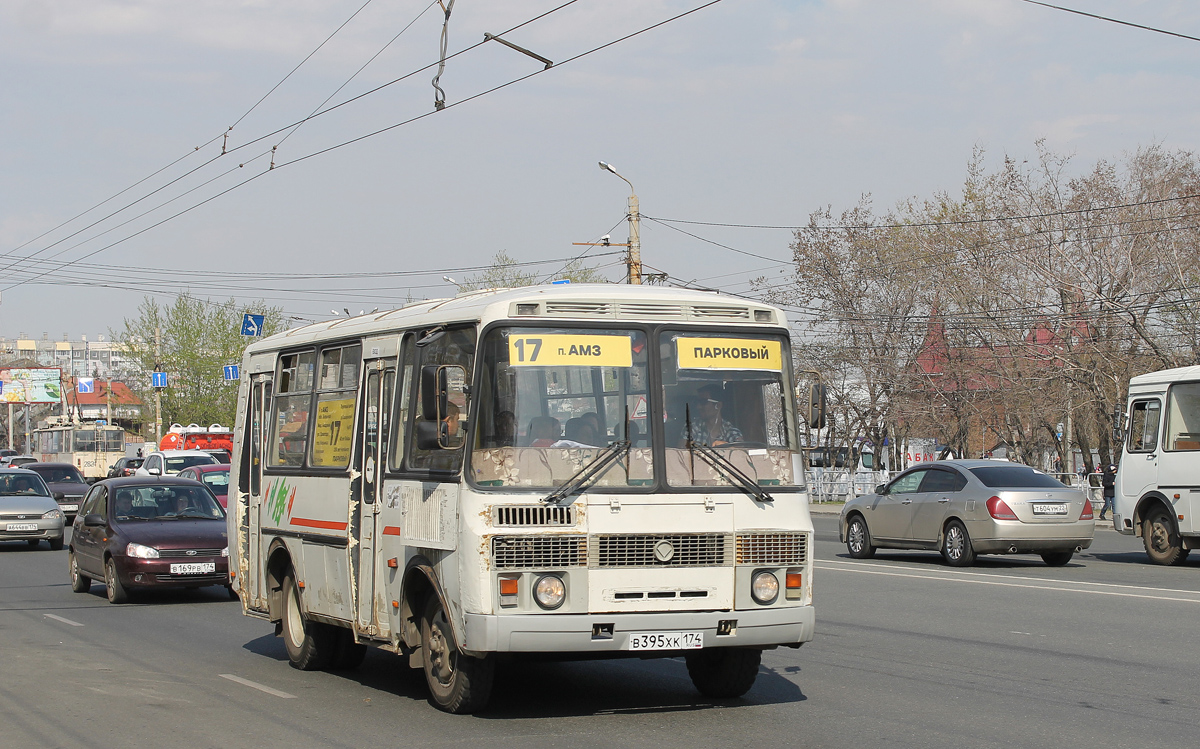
[
  {"x": 666, "y": 641},
  {"x": 1050, "y": 508},
  {"x": 198, "y": 568},
  {"x": 22, "y": 527}
]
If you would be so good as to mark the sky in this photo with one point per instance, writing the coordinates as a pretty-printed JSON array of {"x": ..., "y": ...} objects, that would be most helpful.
[{"x": 742, "y": 112}]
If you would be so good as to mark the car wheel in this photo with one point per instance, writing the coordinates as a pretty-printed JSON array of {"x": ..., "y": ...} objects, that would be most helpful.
[
  {"x": 956, "y": 545},
  {"x": 1057, "y": 558},
  {"x": 858, "y": 539},
  {"x": 309, "y": 644},
  {"x": 80, "y": 583},
  {"x": 56, "y": 544},
  {"x": 112, "y": 581},
  {"x": 1161, "y": 539},
  {"x": 34, "y": 542},
  {"x": 347, "y": 654},
  {"x": 723, "y": 673},
  {"x": 458, "y": 683}
]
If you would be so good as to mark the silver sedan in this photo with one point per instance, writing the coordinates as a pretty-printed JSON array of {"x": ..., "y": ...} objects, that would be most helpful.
[
  {"x": 968, "y": 507},
  {"x": 27, "y": 511}
]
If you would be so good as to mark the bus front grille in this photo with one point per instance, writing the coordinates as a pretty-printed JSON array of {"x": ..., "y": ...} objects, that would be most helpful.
[
  {"x": 772, "y": 548},
  {"x": 682, "y": 550},
  {"x": 530, "y": 515},
  {"x": 538, "y": 552}
]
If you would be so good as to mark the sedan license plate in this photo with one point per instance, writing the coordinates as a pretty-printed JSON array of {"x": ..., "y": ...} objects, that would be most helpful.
[
  {"x": 666, "y": 641},
  {"x": 197, "y": 568},
  {"x": 68, "y": 508},
  {"x": 22, "y": 527},
  {"x": 1050, "y": 508}
]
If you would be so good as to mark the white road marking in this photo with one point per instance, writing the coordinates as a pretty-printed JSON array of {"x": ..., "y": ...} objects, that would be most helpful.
[
  {"x": 256, "y": 685},
  {"x": 57, "y": 618},
  {"x": 866, "y": 570}
]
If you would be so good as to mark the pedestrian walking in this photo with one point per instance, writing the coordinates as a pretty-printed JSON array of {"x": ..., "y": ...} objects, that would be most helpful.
[{"x": 1108, "y": 480}]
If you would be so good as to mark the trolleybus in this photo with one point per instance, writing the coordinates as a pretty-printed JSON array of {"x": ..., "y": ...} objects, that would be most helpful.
[
  {"x": 580, "y": 470},
  {"x": 90, "y": 446}
]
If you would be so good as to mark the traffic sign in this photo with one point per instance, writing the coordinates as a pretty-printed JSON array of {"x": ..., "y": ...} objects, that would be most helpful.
[
  {"x": 85, "y": 385},
  {"x": 231, "y": 371},
  {"x": 158, "y": 379},
  {"x": 252, "y": 325}
]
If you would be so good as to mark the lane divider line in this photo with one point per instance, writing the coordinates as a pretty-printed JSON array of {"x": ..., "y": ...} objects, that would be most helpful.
[
  {"x": 64, "y": 620},
  {"x": 259, "y": 687},
  {"x": 1010, "y": 585},
  {"x": 1011, "y": 577}
]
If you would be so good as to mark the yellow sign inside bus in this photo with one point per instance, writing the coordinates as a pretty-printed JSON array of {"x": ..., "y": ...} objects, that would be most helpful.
[
  {"x": 558, "y": 350},
  {"x": 334, "y": 433},
  {"x": 730, "y": 353}
]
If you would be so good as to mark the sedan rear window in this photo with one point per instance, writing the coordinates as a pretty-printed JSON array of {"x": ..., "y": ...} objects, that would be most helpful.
[
  {"x": 1015, "y": 477},
  {"x": 57, "y": 475},
  {"x": 177, "y": 464}
]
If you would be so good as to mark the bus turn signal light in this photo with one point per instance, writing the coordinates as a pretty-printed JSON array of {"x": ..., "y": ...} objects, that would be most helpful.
[
  {"x": 794, "y": 580},
  {"x": 999, "y": 510}
]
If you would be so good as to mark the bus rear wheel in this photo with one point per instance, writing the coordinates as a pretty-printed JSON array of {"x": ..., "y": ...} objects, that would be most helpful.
[
  {"x": 310, "y": 645},
  {"x": 723, "y": 673},
  {"x": 458, "y": 683},
  {"x": 1162, "y": 541}
]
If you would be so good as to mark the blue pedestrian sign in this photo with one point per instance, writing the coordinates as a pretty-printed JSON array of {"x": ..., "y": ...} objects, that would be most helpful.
[
  {"x": 231, "y": 371},
  {"x": 85, "y": 385},
  {"x": 158, "y": 379},
  {"x": 252, "y": 325}
]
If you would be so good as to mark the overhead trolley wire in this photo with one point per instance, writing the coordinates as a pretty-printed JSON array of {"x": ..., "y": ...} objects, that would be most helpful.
[{"x": 1112, "y": 20}]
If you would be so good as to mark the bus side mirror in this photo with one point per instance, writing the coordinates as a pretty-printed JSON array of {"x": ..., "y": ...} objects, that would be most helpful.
[
  {"x": 427, "y": 435},
  {"x": 816, "y": 406},
  {"x": 1118, "y": 426}
]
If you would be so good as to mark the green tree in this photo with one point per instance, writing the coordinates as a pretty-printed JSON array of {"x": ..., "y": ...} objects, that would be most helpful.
[
  {"x": 198, "y": 337},
  {"x": 507, "y": 273}
]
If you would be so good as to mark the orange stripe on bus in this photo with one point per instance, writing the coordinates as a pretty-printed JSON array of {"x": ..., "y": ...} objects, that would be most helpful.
[
  {"x": 391, "y": 530},
  {"x": 326, "y": 524}
]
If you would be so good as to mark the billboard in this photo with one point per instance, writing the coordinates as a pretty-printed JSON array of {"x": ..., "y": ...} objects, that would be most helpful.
[{"x": 30, "y": 386}]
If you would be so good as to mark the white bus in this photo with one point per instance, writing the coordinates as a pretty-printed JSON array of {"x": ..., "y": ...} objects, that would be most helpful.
[
  {"x": 89, "y": 446},
  {"x": 585, "y": 470},
  {"x": 1157, "y": 493}
]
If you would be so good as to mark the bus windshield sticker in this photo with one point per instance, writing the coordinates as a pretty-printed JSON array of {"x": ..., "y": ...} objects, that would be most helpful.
[
  {"x": 334, "y": 432},
  {"x": 557, "y": 350},
  {"x": 730, "y": 353}
]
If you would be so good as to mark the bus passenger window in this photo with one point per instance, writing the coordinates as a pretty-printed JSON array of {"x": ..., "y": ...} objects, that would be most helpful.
[{"x": 291, "y": 409}]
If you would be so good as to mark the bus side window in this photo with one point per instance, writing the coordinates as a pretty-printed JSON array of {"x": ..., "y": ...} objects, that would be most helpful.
[
  {"x": 403, "y": 406},
  {"x": 455, "y": 347},
  {"x": 1143, "y": 426}
]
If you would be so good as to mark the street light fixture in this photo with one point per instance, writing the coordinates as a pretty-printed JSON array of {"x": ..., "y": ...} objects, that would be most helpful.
[{"x": 634, "y": 261}]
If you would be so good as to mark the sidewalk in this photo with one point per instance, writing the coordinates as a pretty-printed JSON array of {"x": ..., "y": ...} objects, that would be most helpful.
[{"x": 826, "y": 508}]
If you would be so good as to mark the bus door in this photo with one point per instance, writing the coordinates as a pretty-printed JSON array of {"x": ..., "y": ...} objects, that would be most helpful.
[
  {"x": 371, "y": 618},
  {"x": 1139, "y": 467},
  {"x": 252, "y": 562}
]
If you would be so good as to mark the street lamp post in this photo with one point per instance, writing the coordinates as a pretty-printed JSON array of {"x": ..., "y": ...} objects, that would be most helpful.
[{"x": 634, "y": 260}]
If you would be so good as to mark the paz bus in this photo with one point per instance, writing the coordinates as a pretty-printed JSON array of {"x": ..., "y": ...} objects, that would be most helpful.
[
  {"x": 1157, "y": 492},
  {"x": 577, "y": 470},
  {"x": 90, "y": 446}
]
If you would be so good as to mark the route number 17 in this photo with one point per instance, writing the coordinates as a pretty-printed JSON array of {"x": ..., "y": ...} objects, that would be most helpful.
[{"x": 534, "y": 344}]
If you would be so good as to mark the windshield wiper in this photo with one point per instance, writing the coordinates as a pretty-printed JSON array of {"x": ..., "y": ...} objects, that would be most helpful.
[
  {"x": 723, "y": 464},
  {"x": 584, "y": 477}
]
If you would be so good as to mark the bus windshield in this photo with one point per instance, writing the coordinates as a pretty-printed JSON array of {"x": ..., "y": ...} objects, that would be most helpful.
[{"x": 552, "y": 400}]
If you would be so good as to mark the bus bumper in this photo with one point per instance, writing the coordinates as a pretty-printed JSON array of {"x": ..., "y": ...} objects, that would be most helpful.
[{"x": 601, "y": 633}]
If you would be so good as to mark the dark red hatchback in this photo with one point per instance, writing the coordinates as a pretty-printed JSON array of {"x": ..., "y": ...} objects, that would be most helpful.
[{"x": 148, "y": 532}]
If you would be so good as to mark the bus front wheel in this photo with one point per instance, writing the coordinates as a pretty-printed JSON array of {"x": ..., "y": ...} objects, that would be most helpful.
[
  {"x": 309, "y": 644},
  {"x": 458, "y": 683},
  {"x": 723, "y": 672},
  {"x": 1162, "y": 541}
]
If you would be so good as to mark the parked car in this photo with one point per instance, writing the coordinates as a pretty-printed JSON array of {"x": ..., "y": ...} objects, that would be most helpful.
[
  {"x": 149, "y": 532},
  {"x": 216, "y": 478},
  {"x": 67, "y": 485},
  {"x": 171, "y": 462},
  {"x": 124, "y": 467},
  {"x": 27, "y": 511},
  {"x": 968, "y": 507},
  {"x": 12, "y": 461}
]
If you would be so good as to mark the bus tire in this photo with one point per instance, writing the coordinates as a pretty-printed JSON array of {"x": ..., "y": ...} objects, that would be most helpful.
[
  {"x": 458, "y": 683},
  {"x": 1161, "y": 539},
  {"x": 858, "y": 538},
  {"x": 80, "y": 583},
  {"x": 309, "y": 644},
  {"x": 347, "y": 654},
  {"x": 723, "y": 673}
]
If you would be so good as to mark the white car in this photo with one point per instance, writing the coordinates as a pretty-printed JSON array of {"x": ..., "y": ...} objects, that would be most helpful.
[{"x": 171, "y": 462}]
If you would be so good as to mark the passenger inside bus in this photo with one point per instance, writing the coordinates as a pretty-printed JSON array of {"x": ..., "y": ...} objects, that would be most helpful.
[
  {"x": 579, "y": 433},
  {"x": 544, "y": 431}
]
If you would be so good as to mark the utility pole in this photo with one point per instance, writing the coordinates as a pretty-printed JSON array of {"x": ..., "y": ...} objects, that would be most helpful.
[
  {"x": 157, "y": 391},
  {"x": 634, "y": 259}
]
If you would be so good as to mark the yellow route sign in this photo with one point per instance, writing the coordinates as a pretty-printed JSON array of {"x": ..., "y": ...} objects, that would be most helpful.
[
  {"x": 730, "y": 353},
  {"x": 575, "y": 350},
  {"x": 334, "y": 433}
]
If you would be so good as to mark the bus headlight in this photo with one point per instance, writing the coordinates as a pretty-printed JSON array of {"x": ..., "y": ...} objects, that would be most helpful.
[
  {"x": 141, "y": 552},
  {"x": 549, "y": 591},
  {"x": 764, "y": 587}
]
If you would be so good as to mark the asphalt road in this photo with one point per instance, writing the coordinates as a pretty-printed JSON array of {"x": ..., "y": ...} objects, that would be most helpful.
[{"x": 908, "y": 652}]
